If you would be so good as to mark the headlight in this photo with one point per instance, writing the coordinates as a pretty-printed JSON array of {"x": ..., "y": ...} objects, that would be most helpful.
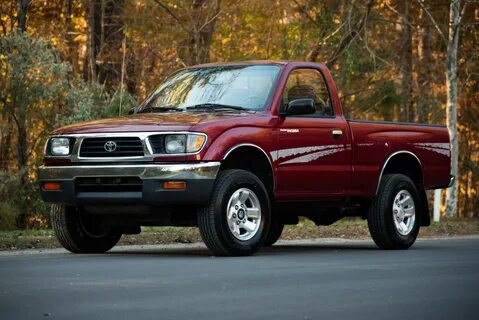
[
  {"x": 60, "y": 146},
  {"x": 184, "y": 143},
  {"x": 175, "y": 143}
]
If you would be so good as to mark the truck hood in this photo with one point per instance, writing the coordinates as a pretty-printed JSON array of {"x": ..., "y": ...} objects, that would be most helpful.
[{"x": 177, "y": 121}]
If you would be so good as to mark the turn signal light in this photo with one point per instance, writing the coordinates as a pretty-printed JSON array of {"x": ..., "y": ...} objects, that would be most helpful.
[
  {"x": 174, "y": 185},
  {"x": 51, "y": 186}
]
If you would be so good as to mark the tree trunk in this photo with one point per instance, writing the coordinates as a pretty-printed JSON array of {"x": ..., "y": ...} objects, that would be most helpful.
[
  {"x": 94, "y": 37},
  {"x": 71, "y": 50},
  {"x": 22, "y": 166},
  {"x": 202, "y": 31},
  {"x": 451, "y": 107},
  {"x": 425, "y": 70},
  {"x": 206, "y": 34},
  {"x": 22, "y": 149},
  {"x": 109, "y": 68},
  {"x": 5, "y": 141},
  {"x": 21, "y": 129},
  {"x": 342, "y": 72},
  {"x": 406, "y": 110},
  {"x": 349, "y": 37},
  {"x": 202, "y": 22},
  {"x": 22, "y": 15}
]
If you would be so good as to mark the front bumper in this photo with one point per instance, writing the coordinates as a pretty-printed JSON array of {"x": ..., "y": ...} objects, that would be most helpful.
[{"x": 199, "y": 178}]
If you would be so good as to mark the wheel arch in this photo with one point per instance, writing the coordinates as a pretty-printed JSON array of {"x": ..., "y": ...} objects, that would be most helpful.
[
  {"x": 407, "y": 163},
  {"x": 253, "y": 158},
  {"x": 403, "y": 162}
]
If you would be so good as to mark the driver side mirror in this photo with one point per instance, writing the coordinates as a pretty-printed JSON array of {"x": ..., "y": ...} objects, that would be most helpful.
[{"x": 299, "y": 107}]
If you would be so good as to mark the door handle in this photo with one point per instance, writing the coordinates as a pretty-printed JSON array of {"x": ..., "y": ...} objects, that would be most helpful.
[{"x": 337, "y": 133}]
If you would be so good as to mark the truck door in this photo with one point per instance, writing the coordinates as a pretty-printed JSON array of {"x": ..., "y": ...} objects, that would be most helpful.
[{"x": 313, "y": 157}]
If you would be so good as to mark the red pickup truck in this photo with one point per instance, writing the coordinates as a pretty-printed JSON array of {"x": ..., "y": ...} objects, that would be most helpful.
[{"x": 240, "y": 150}]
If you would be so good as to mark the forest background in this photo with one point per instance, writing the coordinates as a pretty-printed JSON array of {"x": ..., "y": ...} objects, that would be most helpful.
[{"x": 63, "y": 61}]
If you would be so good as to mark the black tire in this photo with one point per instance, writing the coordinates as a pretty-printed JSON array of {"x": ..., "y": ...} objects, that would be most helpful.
[
  {"x": 212, "y": 218},
  {"x": 381, "y": 223},
  {"x": 68, "y": 224},
  {"x": 277, "y": 226}
]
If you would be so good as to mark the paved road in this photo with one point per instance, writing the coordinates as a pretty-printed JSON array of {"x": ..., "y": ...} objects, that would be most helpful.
[{"x": 436, "y": 279}]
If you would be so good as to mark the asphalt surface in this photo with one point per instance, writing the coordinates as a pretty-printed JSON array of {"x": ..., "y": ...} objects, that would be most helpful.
[{"x": 327, "y": 279}]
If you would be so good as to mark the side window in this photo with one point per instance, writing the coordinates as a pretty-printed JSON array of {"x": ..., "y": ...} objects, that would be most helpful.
[{"x": 309, "y": 84}]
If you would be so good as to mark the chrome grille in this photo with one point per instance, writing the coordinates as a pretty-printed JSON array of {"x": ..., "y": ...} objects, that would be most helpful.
[{"x": 125, "y": 147}]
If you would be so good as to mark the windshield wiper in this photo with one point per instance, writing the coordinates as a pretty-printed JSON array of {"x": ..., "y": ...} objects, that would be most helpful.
[
  {"x": 160, "y": 109},
  {"x": 193, "y": 107},
  {"x": 216, "y": 106}
]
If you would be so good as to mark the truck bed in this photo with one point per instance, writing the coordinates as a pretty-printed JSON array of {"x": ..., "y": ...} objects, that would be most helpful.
[{"x": 378, "y": 140}]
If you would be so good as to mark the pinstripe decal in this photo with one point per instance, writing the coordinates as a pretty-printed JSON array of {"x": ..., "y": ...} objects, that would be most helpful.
[{"x": 306, "y": 154}]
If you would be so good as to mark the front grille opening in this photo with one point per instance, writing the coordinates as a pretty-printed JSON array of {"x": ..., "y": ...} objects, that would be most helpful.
[
  {"x": 124, "y": 147},
  {"x": 108, "y": 184},
  {"x": 157, "y": 143}
]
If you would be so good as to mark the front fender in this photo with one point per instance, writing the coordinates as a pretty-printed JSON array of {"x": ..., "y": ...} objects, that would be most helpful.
[{"x": 261, "y": 138}]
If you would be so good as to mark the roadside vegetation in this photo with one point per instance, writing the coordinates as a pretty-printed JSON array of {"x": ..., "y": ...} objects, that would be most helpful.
[
  {"x": 40, "y": 93},
  {"x": 345, "y": 229}
]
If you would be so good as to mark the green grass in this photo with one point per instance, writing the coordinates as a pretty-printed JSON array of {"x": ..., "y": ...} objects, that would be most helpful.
[
  {"x": 27, "y": 239},
  {"x": 347, "y": 228}
]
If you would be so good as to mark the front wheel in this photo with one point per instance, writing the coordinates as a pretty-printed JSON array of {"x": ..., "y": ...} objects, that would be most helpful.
[
  {"x": 393, "y": 217},
  {"x": 275, "y": 231},
  {"x": 79, "y": 232},
  {"x": 236, "y": 220}
]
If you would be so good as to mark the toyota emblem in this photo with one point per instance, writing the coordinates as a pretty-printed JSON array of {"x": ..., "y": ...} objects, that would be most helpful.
[{"x": 110, "y": 146}]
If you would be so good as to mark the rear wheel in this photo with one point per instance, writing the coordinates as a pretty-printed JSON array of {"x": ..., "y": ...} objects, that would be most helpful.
[
  {"x": 393, "y": 217},
  {"x": 79, "y": 232},
  {"x": 236, "y": 220}
]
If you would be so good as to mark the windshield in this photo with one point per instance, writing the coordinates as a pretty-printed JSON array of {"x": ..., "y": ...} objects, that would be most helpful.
[{"x": 244, "y": 87}]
